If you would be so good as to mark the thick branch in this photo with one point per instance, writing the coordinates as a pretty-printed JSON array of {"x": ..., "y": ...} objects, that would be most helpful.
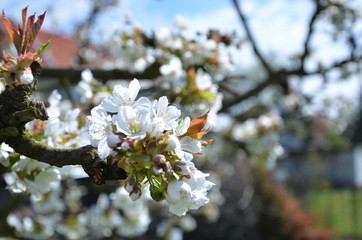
[
  {"x": 28, "y": 146},
  {"x": 74, "y": 74},
  {"x": 17, "y": 108},
  {"x": 98, "y": 170}
]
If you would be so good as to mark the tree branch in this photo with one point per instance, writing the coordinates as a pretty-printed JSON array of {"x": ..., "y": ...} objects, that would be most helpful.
[
  {"x": 251, "y": 38},
  {"x": 17, "y": 108},
  {"x": 318, "y": 9},
  {"x": 98, "y": 170},
  {"x": 280, "y": 76},
  {"x": 300, "y": 72},
  {"x": 74, "y": 74},
  {"x": 283, "y": 75},
  {"x": 26, "y": 145}
]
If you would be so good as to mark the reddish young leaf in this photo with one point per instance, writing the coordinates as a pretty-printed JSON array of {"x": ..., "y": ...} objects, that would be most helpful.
[
  {"x": 14, "y": 35},
  {"x": 36, "y": 27},
  {"x": 24, "y": 37},
  {"x": 199, "y": 135},
  {"x": 24, "y": 12},
  {"x": 196, "y": 126},
  {"x": 27, "y": 36}
]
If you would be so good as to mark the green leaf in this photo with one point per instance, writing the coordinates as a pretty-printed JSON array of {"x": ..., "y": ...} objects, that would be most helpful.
[
  {"x": 156, "y": 193},
  {"x": 42, "y": 48},
  {"x": 207, "y": 95}
]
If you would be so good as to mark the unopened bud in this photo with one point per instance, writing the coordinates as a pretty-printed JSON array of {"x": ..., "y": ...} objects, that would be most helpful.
[
  {"x": 126, "y": 146},
  {"x": 26, "y": 76},
  {"x": 172, "y": 143},
  {"x": 151, "y": 145},
  {"x": 157, "y": 170},
  {"x": 130, "y": 183},
  {"x": 167, "y": 167},
  {"x": 113, "y": 140},
  {"x": 135, "y": 194},
  {"x": 180, "y": 166},
  {"x": 159, "y": 159}
]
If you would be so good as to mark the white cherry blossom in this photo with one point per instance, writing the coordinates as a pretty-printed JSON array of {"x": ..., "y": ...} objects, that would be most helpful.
[
  {"x": 121, "y": 96},
  {"x": 99, "y": 128},
  {"x": 190, "y": 193},
  {"x": 163, "y": 116},
  {"x": 134, "y": 122},
  {"x": 178, "y": 196}
]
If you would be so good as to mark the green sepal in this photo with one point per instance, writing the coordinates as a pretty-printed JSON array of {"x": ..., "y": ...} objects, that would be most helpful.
[{"x": 42, "y": 48}]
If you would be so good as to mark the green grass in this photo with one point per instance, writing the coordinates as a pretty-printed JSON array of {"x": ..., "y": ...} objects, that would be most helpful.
[{"x": 338, "y": 210}]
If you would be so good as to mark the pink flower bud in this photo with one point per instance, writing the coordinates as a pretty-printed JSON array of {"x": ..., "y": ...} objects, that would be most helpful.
[
  {"x": 157, "y": 170},
  {"x": 159, "y": 159},
  {"x": 167, "y": 167},
  {"x": 135, "y": 194},
  {"x": 130, "y": 183}
]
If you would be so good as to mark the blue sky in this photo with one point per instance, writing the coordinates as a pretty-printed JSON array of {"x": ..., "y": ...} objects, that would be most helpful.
[{"x": 64, "y": 15}]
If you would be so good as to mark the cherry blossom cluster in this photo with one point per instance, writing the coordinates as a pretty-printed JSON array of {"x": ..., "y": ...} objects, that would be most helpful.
[
  {"x": 190, "y": 68},
  {"x": 154, "y": 146}
]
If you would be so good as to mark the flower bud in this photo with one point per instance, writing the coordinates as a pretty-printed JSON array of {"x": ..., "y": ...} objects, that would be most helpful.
[
  {"x": 167, "y": 167},
  {"x": 113, "y": 140},
  {"x": 135, "y": 194},
  {"x": 172, "y": 143},
  {"x": 180, "y": 166},
  {"x": 130, "y": 183},
  {"x": 26, "y": 76},
  {"x": 159, "y": 159},
  {"x": 126, "y": 146},
  {"x": 151, "y": 146},
  {"x": 157, "y": 170}
]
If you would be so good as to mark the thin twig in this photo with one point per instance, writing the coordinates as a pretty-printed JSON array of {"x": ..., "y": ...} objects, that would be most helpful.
[
  {"x": 306, "y": 52},
  {"x": 251, "y": 38}
]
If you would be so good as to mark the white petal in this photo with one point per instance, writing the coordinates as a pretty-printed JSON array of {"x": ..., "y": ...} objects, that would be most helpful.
[
  {"x": 161, "y": 106},
  {"x": 87, "y": 75},
  {"x": 111, "y": 104},
  {"x": 54, "y": 97},
  {"x": 178, "y": 209},
  {"x": 103, "y": 148},
  {"x": 198, "y": 200},
  {"x": 133, "y": 89},
  {"x": 183, "y": 127},
  {"x": 190, "y": 144}
]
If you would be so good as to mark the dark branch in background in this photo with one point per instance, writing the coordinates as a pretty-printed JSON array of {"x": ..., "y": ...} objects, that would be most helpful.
[
  {"x": 318, "y": 9},
  {"x": 273, "y": 78},
  {"x": 84, "y": 30},
  {"x": 337, "y": 64},
  {"x": 281, "y": 76},
  {"x": 74, "y": 74},
  {"x": 250, "y": 37}
]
